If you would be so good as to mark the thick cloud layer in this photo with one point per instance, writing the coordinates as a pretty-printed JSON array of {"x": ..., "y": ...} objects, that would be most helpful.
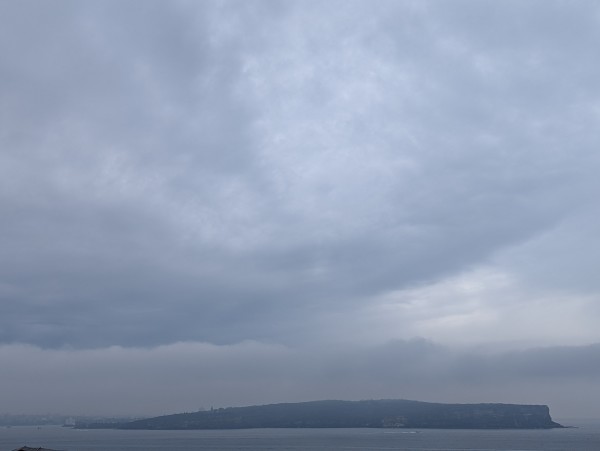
[{"x": 299, "y": 174}]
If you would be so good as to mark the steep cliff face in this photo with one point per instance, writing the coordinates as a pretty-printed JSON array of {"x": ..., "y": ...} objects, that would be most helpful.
[{"x": 357, "y": 414}]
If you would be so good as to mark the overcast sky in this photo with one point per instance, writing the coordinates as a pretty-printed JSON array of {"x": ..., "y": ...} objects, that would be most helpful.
[{"x": 228, "y": 203}]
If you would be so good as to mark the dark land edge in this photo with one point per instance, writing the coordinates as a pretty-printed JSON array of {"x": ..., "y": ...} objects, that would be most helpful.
[{"x": 387, "y": 413}]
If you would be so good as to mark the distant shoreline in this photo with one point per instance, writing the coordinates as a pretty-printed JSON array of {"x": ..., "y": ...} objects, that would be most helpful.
[{"x": 387, "y": 413}]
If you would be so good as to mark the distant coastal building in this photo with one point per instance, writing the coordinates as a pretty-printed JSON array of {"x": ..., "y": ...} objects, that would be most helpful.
[{"x": 70, "y": 422}]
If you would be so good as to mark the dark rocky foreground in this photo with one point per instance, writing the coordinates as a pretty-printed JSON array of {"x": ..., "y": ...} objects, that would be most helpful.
[
  {"x": 356, "y": 414},
  {"x": 27, "y": 448}
]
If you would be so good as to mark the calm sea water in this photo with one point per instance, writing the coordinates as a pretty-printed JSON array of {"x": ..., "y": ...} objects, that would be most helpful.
[{"x": 584, "y": 438}]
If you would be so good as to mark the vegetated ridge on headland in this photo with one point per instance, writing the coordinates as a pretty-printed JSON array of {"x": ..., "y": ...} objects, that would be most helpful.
[{"x": 386, "y": 413}]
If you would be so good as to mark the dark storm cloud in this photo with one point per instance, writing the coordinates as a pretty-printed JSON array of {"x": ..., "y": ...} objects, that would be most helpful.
[{"x": 218, "y": 172}]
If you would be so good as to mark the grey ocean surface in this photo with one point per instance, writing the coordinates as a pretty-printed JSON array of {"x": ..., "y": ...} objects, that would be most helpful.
[{"x": 586, "y": 437}]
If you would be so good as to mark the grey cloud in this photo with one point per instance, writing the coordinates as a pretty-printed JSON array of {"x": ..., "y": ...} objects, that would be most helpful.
[{"x": 174, "y": 172}]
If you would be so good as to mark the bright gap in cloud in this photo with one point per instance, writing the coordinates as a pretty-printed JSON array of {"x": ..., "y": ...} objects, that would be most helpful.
[{"x": 482, "y": 307}]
